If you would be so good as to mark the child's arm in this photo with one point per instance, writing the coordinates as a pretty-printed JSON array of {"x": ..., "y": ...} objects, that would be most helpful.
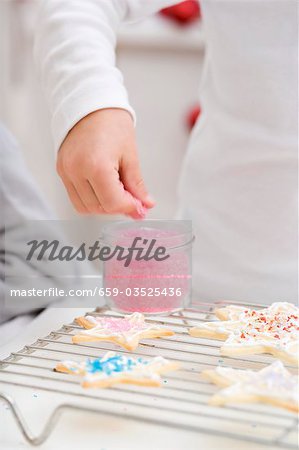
[{"x": 92, "y": 120}]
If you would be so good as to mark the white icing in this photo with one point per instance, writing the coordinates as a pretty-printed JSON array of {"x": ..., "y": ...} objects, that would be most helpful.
[
  {"x": 273, "y": 381},
  {"x": 73, "y": 366},
  {"x": 142, "y": 369},
  {"x": 276, "y": 326},
  {"x": 101, "y": 329}
]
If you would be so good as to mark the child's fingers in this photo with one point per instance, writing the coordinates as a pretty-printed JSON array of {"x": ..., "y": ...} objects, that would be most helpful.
[
  {"x": 112, "y": 195},
  {"x": 133, "y": 181},
  {"x": 74, "y": 196},
  {"x": 88, "y": 197}
]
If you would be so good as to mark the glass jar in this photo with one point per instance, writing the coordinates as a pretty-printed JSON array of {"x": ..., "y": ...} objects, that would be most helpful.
[{"x": 156, "y": 280}]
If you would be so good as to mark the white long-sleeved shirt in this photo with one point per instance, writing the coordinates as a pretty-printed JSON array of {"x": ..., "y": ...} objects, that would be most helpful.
[{"x": 239, "y": 179}]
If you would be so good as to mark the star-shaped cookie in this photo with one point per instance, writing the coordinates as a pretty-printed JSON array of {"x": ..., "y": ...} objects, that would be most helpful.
[
  {"x": 247, "y": 331},
  {"x": 125, "y": 331},
  {"x": 272, "y": 385},
  {"x": 113, "y": 369}
]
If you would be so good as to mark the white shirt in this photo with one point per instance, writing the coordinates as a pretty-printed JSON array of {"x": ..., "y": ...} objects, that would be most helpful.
[{"x": 239, "y": 179}]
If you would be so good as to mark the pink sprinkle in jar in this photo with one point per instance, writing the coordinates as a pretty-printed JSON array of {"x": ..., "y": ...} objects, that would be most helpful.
[{"x": 151, "y": 286}]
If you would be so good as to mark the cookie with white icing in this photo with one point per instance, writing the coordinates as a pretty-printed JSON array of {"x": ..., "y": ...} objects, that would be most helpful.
[
  {"x": 114, "y": 369},
  {"x": 247, "y": 331},
  {"x": 125, "y": 331},
  {"x": 272, "y": 385}
]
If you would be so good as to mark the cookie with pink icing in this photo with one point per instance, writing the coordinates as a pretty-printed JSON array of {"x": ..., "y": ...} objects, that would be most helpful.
[
  {"x": 125, "y": 331},
  {"x": 272, "y": 385},
  {"x": 247, "y": 331}
]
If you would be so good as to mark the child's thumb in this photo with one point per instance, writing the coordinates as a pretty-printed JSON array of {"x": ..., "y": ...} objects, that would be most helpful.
[{"x": 133, "y": 182}]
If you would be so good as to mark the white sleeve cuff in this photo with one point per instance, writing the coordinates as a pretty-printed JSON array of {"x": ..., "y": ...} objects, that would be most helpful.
[{"x": 75, "y": 108}]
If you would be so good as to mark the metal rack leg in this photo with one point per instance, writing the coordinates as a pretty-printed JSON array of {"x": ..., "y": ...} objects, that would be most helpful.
[{"x": 23, "y": 427}]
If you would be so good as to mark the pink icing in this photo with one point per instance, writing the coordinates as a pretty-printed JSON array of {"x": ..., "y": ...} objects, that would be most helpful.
[{"x": 121, "y": 325}]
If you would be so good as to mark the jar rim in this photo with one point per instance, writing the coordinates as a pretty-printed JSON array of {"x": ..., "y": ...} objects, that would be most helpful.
[
  {"x": 120, "y": 223},
  {"x": 107, "y": 232}
]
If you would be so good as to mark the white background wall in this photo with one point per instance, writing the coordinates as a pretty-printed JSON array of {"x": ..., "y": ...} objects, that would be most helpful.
[{"x": 161, "y": 64}]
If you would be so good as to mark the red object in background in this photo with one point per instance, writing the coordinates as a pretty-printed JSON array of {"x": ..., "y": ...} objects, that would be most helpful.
[
  {"x": 192, "y": 116},
  {"x": 183, "y": 13}
]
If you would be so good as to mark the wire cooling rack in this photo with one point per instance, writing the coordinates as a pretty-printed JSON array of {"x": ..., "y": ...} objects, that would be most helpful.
[{"x": 181, "y": 403}]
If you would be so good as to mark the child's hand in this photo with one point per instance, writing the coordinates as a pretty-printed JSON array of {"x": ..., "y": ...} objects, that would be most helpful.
[{"x": 99, "y": 166}]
